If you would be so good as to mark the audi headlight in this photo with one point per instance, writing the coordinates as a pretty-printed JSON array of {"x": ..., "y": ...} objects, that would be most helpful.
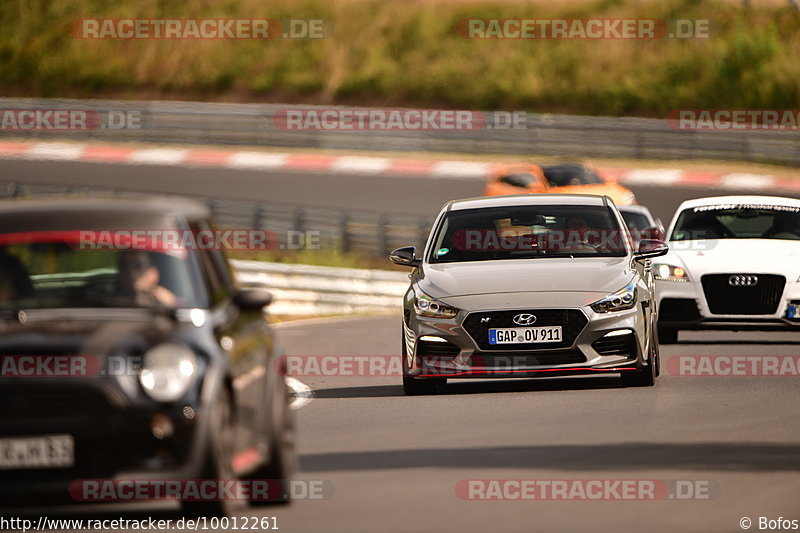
[
  {"x": 623, "y": 299},
  {"x": 427, "y": 306},
  {"x": 666, "y": 272},
  {"x": 168, "y": 371}
]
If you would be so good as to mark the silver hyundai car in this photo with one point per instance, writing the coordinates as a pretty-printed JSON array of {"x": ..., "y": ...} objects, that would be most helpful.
[{"x": 529, "y": 286}]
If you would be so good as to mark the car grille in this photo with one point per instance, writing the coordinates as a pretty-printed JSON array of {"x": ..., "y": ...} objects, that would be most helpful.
[
  {"x": 50, "y": 401},
  {"x": 510, "y": 361},
  {"x": 760, "y": 299},
  {"x": 618, "y": 345},
  {"x": 572, "y": 322}
]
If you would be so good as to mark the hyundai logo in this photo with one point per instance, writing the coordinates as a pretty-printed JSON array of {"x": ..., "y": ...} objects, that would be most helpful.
[
  {"x": 524, "y": 319},
  {"x": 738, "y": 280}
]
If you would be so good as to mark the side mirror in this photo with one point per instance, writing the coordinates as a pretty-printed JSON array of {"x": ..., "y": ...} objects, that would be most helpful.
[
  {"x": 405, "y": 256},
  {"x": 252, "y": 299},
  {"x": 651, "y": 248}
]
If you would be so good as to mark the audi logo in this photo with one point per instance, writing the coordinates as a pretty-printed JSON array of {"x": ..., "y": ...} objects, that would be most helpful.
[
  {"x": 742, "y": 280},
  {"x": 524, "y": 319}
]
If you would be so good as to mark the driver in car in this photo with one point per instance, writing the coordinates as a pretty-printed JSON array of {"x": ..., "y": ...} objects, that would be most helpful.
[{"x": 138, "y": 279}]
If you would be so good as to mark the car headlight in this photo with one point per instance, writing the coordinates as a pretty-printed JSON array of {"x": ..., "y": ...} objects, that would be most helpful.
[
  {"x": 623, "y": 299},
  {"x": 427, "y": 306},
  {"x": 666, "y": 272},
  {"x": 168, "y": 371}
]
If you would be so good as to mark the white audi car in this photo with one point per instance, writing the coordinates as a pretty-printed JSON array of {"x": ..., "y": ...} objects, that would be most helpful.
[{"x": 733, "y": 264}]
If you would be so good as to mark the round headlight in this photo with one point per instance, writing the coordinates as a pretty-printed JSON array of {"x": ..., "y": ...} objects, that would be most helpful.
[{"x": 168, "y": 371}]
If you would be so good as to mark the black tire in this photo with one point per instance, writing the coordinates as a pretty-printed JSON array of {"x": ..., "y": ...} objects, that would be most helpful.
[
  {"x": 283, "y": 456},
  {"x": 646, "y": 376},
  {"x": 218, "y": 460},
  {"x": 667, "y": 335},
  {"x": 413, "y": 386},
  {"x": 657, "y": 354}
]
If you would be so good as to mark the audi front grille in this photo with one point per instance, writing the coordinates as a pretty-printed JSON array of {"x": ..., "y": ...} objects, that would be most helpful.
[{"x": 743, "y": 294}]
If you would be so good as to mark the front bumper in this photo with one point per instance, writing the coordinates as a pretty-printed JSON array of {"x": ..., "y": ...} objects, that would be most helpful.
[
  {"x": 113, "y": 439},
  {"x": 457, "y": 353},
  {"x": 683, "y": 305}
]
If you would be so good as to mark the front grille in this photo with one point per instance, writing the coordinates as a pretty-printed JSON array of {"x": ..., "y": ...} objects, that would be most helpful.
[
  {"x": 510, "y": 361},
  {"x": 624, "y": 345},
  {"x": 678, "y": 310},
  {"x": 437, "y": 348},
  {"x": 572, "y": 322},
  {"x": 761, "y": 299},
  {"x": 50, "y": 401}
]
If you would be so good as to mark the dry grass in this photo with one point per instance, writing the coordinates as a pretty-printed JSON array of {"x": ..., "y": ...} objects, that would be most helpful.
[{"x": 406, "y": 53}]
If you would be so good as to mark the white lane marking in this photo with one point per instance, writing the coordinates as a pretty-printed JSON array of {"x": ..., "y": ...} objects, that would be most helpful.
[
  {"x": 256, "y": 160},
  {"x": 158, "y": 156},
  {"x": 59, "y": 151},
  {"x": 366, "y": 165},
  {"x": 302, "y": 393},
  {"x": 743, "y": 180},
  {"x": 460, "y": 169},
  {"x": 661, "y": 176}
]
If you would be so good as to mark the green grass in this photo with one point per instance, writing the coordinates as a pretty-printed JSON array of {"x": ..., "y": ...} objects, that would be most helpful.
[{"x": 406, "y": 53}]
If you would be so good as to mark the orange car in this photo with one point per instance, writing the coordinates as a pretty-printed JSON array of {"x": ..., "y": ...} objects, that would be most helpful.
[{"x": 558, "y": 179}]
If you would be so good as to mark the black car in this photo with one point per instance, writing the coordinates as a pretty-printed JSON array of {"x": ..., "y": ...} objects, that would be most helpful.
[{"x": 126, "y": 361}]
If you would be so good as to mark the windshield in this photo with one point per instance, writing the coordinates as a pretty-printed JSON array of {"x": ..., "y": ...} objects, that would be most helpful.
[
  {"x": 570, "y": 176},
  {"x": 527, "y": 232},
  {"x": 636, "y": 221},
  {"x": 47, "y": 271},
  {"x": 520, "y": 179},
  {"x": 738, "y": 221}
]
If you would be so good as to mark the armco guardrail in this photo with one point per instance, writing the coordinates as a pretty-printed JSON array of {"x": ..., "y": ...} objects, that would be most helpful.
[
  {"x": 303, "y": 290},
  {"x": 366, "y": 233},
  {"x": 545, "y": 134}
]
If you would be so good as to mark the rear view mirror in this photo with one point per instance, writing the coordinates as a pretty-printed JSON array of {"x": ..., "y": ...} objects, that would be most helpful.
[
  {"x": 252, "y": 298},
  {"x": 405, "y": 256},
  {"x": 651, "y": 248}
]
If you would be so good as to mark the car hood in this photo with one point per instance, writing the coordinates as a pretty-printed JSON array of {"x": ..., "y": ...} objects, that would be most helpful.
[
  {"x": 735, "y": 255},
  {"x": 84, "y": 332},
  {"x": 556, "y": 276}
]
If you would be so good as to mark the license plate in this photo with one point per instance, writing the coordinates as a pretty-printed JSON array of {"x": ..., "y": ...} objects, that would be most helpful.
[
  {"x": 525, "y": 335},
  {"x": 44, "y": 451},
  {"x": 793, "y": 311}
]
